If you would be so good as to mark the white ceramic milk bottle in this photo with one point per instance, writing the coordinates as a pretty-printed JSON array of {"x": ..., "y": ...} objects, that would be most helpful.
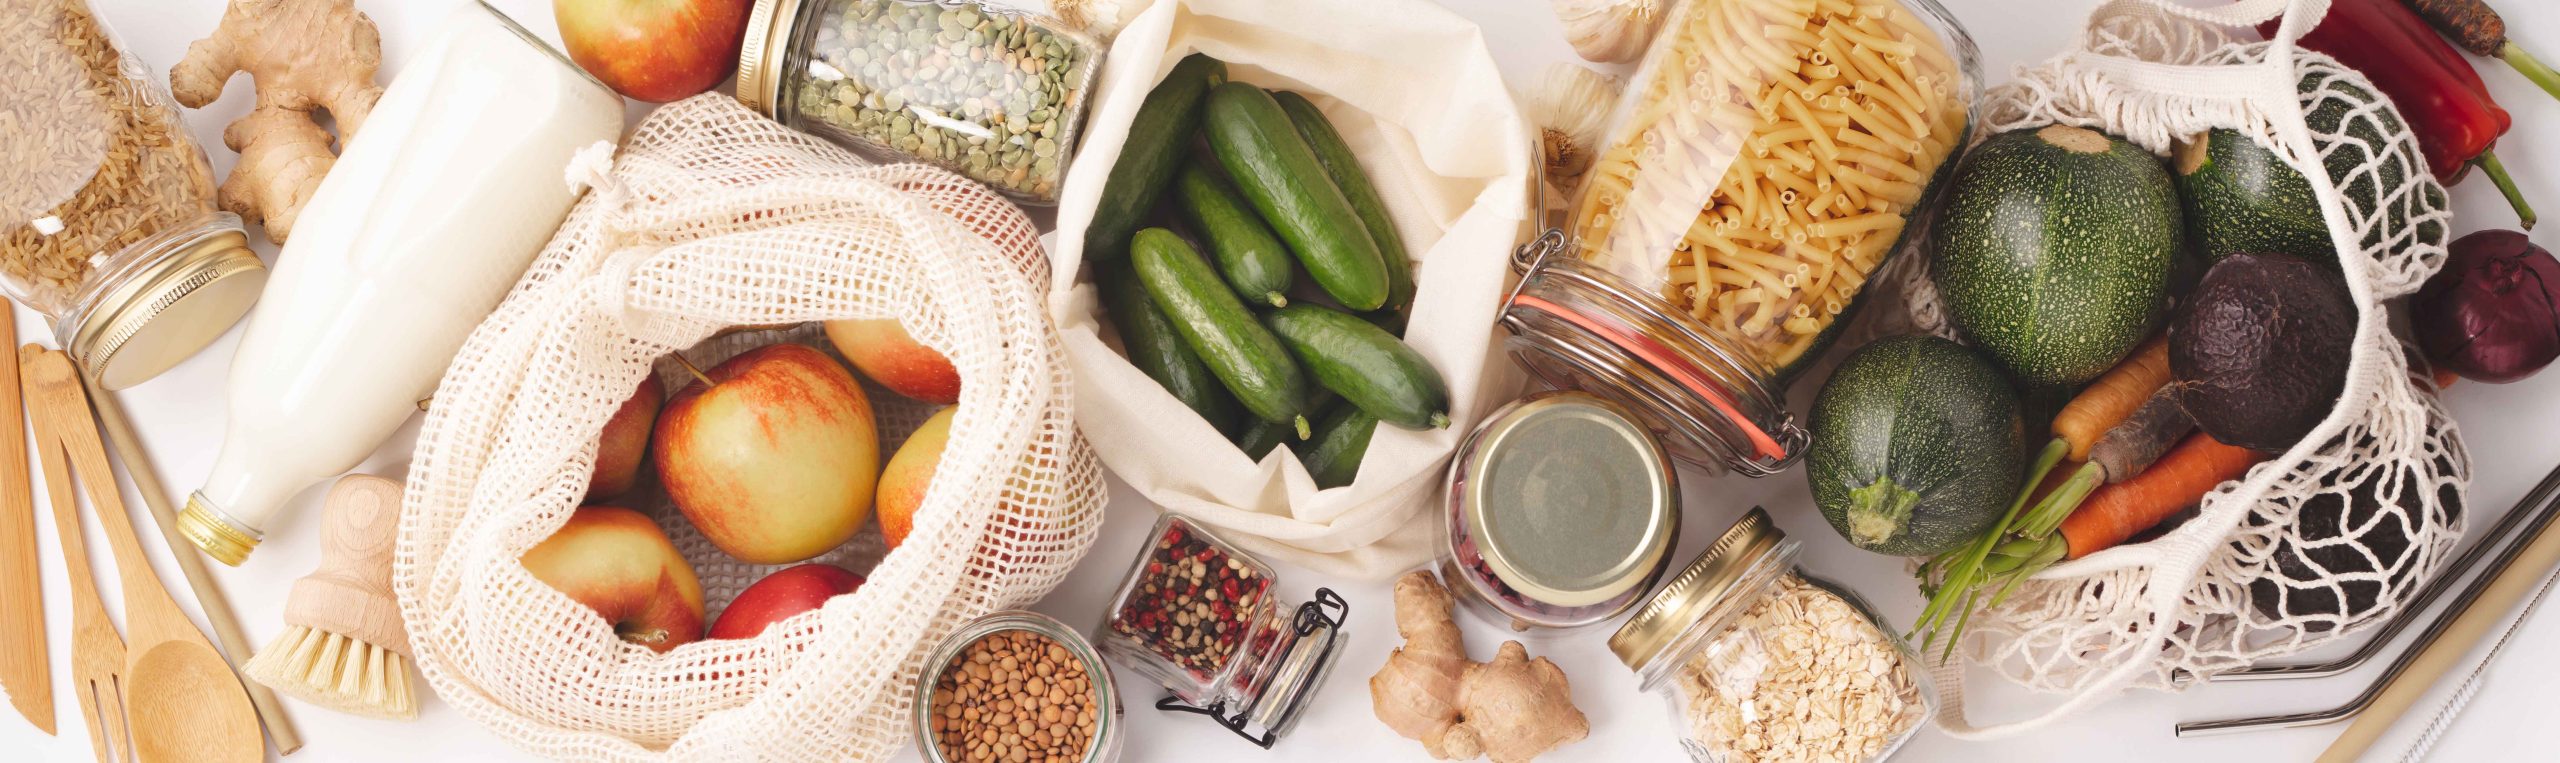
[{"x": 426, "y": 221}]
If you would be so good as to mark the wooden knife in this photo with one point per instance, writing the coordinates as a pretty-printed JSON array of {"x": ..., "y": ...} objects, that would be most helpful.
[{"x": 24, "y": 668}]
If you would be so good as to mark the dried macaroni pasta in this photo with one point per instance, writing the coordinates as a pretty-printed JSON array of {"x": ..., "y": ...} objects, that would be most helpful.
[{"x": 1769, "y": 159}]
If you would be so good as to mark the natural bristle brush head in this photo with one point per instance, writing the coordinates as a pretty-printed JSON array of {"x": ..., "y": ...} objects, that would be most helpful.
[{"x": 346, "y": 649}]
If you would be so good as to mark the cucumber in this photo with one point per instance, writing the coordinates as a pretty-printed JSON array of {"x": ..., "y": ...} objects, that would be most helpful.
[
  {"x": 2241, "y": 197},
  {"x": 1258, "y": 437},
  {"x": 1280, "y": 175},
  {"x": 1151, "y": 154},
  {"x": 1254, "y": 261},
  {"x": 2055, "y": 249},
  {"x": 1364, "y": 364},
  {"x": 1157, "y": 348},
  {"x": 1239, "y": 351},
  {"x": 1340, "y": 441},
  {"x": 1917, "y": 447},
  {"x": 1344, "y": 168}
]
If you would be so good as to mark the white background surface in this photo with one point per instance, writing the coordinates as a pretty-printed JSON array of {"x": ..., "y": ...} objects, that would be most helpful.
[{"x": 2509, "y": 428}]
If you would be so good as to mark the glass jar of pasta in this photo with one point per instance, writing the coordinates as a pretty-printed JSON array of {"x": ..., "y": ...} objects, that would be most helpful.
[{"x": 1767, "y": 157}]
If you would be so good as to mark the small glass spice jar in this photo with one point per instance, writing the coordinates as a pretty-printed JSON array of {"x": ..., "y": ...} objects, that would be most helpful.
[
  {"x": 1768, "y": 155},
  {"x": 107, "y": 218},
  {"x": 1199, "y": 616},
  {"x": 1063, "y": 664},
  {"x": 1562, "y": 512},
  {"x": 1761, "y": 662},
  {"x": 996, "y": 95}
]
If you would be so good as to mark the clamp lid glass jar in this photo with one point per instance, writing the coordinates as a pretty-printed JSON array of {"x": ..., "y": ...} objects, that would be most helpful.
[
  {"x": 1562, "y": 512},
  {"x": 1767, "y": 157},
  {"x": 1058, "y": 702},
  {"x": 1200, "y": 617},
  {"x": 107, "y": 219},
  {"x": 998, "y": 96},
  {"x": 1759, "y": 661}
]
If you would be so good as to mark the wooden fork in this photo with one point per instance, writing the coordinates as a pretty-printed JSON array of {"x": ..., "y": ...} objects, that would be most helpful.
[{"x": 97, "y": 653}]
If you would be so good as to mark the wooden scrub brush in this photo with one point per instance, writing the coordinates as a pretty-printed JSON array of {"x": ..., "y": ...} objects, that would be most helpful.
[{"x": 346, "y": 649}]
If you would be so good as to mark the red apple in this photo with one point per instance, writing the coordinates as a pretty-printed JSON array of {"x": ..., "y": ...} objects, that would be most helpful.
[
  {"x": 910, "y": 471},
  {"x": 780, "y": 595},
  {"x": 885, "y": 353},
  {"x": 625, "y": 441},
  {"x": 775, "y": 459},
  {"x": 618, "y": 563},
  {"x": 654, "y": 50}
]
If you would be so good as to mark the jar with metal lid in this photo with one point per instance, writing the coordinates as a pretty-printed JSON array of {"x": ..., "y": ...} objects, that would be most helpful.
[
  {"x": 1562, "y": 512},
  {"x": 107, "y": 218},
  {"x": 1200, "y": 616},
  {"x": 946, "y": 702},
  {"x": 1760, "y": 661},
  {"x": 996, "y": 95},
  {"x": 1768, "y": 155}
]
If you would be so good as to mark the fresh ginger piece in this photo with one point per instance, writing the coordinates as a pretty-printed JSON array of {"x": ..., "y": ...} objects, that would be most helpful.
[
  {"x": 1416, "y": 692},
  {"x": 1512, "y": 709},
  {"x": 1516, "y": 708},
  {"x": 304, "y": 55}
]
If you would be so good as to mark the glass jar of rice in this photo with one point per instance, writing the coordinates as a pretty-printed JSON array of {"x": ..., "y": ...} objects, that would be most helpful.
[
  {"x": 1766, "y": 158},
  {"x": 107, "y": 219}
]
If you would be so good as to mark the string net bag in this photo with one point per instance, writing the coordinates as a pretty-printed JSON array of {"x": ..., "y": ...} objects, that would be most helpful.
[
  {"x": 713, "y": 218},
  {"x": 2333, "y": 536}
]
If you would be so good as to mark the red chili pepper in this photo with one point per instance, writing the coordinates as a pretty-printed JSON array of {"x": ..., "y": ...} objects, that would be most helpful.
[{"x": 2436, "y": 89}]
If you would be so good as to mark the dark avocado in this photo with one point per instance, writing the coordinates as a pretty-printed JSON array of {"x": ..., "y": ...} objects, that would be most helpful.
[
  {"x": 2259, "y": 351},
  {"x": 2324, "y": 544}
]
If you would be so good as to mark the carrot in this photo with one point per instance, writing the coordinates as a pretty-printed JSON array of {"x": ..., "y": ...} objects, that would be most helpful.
[
  {"x": 2113, "y": 397},
  {"x": 2178, "y": 480}
]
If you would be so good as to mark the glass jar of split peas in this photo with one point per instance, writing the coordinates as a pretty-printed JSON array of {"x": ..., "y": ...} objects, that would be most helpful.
[{"x": 1766, "y": 158}]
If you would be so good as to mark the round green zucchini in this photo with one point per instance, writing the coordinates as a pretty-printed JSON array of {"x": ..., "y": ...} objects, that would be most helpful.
[
  {"x": 2241, "y": 197},
  {"x": 1917, "y": 447}
]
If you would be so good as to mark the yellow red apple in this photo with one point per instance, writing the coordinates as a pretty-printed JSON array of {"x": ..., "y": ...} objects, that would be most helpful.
[
  {"x": 910, "y": 471},
  {"x": 618, "y": 563},
  {"x": 654, "y": 50},
  {"x": 781, "y": 595},
  {"x": 625, "y": 441},
  {"x": 775, "y": 459},
  {"x": 887, "y": 354}
]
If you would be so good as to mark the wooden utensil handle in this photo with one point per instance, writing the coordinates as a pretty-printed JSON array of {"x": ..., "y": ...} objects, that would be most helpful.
[
  {"x": 351, "y": 592},
  {"x": 25, "y": 667},
  {"x": 57, "y": 386},
  {"x": 58, "y": 493}
]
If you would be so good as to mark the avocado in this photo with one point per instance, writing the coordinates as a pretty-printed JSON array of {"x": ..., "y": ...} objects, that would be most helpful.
[{"x": 2259, "y": 351}]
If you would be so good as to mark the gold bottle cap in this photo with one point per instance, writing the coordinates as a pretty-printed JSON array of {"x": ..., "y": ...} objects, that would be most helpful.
[
  {"x": 764, "y": 52},
  {"x": 1709, "y": 583},
  {"x": 1571, "y": 501},
  {"x": 182, "y": 298},
  {"x": 224, "y": 540}
]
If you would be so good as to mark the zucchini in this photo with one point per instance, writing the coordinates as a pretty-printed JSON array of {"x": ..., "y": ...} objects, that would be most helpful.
[
  {"x": 1157, "y": 348},
  {"x": 2055, "y": 250},
  {"x": 1153, "y": 151},
  {"x": 2344, "y": 107},
  {"x": 2241, "y": 197},
  {"x": 1340, "y": 441},
  {"x": 1239, "y": 351},
  {"x": 1344, "y": 168},
  {"x": 1917, "y": 447},
  {"x": 1364, "y": 364},
  {"x": 1253, "y": 261},
  {"x": 1280, "y": 175}
]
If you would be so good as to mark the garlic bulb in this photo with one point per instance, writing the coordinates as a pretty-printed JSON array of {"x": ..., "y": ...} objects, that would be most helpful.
[
  {"x": 1609, "y": 31},
  {"x": 1570, "y": 106},
  {"x": 1100, "y": 18}
]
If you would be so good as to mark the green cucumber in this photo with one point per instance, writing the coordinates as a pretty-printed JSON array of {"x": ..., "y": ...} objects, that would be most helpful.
[
  {"x": 1151, "y": 154},
  {"x": 1258, "y": 437},
  {"x": 1917, "y": 447},
  {"x": 2055, "y": 249},
  {"x": 1364, "y": 364},
  {"x": 1156, "y": 347},
  {"x": 2241, "y": 197},
  {"x": 1340, "y": 442},
  {"x": 1344, "y": 168},
  {"x": 1280, "y": 175},
  {"x": 1245, "y": 356},
  {"x": 1254, "y": 261}
]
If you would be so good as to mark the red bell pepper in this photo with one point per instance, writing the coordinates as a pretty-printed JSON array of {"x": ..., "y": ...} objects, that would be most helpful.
[{"x": 2438, "y": 92}]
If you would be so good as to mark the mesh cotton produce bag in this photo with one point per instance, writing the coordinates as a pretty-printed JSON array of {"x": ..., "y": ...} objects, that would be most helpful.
[
  {"x": 714, "y": 217},
  {"x": 2366, "y": 507}
]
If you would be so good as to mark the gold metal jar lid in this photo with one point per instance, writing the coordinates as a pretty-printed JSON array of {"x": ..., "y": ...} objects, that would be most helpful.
[
  {"x": 1569, "y": 499},
  {"x": 186, "y": 294},
  {"x": 227, "y": 541},
  {"x": 1712, "y": 580},
  {"x": 764, "y": 52}
]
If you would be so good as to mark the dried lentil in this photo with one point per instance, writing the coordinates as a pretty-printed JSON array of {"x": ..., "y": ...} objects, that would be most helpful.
[
  {"x": 1013, "y": 696},
  {"x": 1800, "y": 675},
  {"x": 1192, "y": 603}
]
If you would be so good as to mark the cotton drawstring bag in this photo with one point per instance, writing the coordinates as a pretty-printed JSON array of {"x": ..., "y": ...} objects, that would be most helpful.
[{"x": 713, "y": 217}]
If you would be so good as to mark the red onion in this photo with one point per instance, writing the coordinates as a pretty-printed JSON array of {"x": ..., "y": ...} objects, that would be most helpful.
[{"x": 2493, "y": 313}]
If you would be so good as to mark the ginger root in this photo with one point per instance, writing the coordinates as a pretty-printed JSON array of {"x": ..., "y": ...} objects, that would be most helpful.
[
  {"x": 1512, "y": 709},
  {"x": 304, "y": 55}
]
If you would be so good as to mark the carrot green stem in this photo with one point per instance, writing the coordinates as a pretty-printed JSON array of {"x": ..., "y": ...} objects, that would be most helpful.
[
  {"x": 2488, "y": 163},
  {"x": 1960, "y": 579},
  {"x": 2049, "y": 513},
  {"x": 2531, "y": 68}
]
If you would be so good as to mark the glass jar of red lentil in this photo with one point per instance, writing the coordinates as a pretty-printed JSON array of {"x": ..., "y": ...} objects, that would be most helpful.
[{"x": 1201, "y": 617}]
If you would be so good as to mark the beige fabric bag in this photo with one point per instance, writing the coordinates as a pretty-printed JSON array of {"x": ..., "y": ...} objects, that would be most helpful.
[
  {"x": 713, "y": 217},
  {"x": 1416, "y": 94}
]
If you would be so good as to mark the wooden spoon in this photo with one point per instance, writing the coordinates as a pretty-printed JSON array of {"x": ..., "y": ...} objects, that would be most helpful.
[{"x": 182, "y": 702}]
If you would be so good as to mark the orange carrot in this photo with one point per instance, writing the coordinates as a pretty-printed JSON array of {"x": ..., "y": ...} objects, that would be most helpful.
[
  {"x": 2113, "y": 397},
  {"x": 2173, "y": 483}
]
